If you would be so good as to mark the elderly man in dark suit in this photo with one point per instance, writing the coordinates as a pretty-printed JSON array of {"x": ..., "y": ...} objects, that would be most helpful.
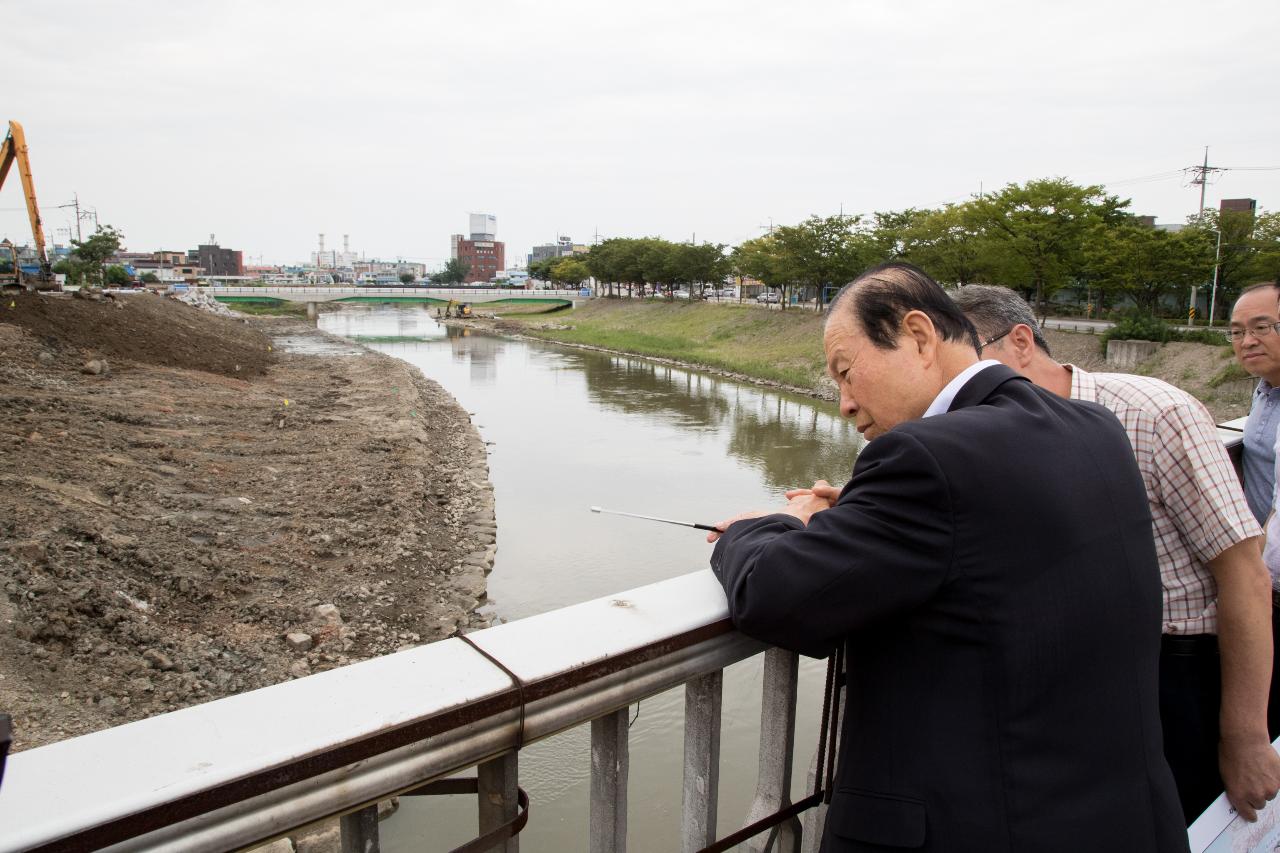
[{"x": 991, "y": 570}]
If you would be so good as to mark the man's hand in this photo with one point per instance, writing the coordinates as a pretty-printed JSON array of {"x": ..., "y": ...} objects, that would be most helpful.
[
  {"x": 801, "y": 503},
  {"x": 804, "y": 505},
  {"x": 722, "y": 526},
  {"x": 1250, "y": 772},
  {"x": 821, "y": 489}
]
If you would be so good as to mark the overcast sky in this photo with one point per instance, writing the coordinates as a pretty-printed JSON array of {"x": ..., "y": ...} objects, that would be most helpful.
[{"x": 266, "y": 123}]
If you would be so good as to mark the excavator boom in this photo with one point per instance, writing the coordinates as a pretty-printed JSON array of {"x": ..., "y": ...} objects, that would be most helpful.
[{"x": 14, "y": 149}]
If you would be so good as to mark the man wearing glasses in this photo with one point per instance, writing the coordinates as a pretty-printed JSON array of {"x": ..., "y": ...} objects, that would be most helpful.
[
  {"x": 1257, "y": 347},
  {"x": 1254, "y": 323},
  {"x": 1215, "y": 650}
]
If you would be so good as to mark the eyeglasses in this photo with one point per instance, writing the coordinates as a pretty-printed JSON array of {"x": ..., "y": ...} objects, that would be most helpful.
[
  {"x": 989, "y": 341},
  {"x": 1258, "y": 330}
]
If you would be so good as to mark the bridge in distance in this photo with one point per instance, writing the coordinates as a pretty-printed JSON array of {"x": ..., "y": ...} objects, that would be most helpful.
[{"x": 426, "y": 295}]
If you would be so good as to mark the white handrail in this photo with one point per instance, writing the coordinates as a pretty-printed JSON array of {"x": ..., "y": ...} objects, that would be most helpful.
[{"x": 249, "y": 767}]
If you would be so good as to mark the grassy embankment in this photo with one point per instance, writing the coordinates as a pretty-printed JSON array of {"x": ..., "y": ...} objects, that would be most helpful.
[
  {"x": 270, "y": 309},
  {"x": 786, "y": 346},
  {"x": 779, "y": 346}
]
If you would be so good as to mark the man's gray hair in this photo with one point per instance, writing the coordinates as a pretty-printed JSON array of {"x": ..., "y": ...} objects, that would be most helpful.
[{"x": 995, "y": 310}]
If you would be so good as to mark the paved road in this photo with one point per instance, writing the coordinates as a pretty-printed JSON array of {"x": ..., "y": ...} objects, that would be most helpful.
[{"x": 1068, "y": 324}]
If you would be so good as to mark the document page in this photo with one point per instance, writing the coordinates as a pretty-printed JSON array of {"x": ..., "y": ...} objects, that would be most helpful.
[{"x": 1221, "y": 830}]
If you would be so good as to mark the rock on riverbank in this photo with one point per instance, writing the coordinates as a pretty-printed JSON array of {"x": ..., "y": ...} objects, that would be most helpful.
[{"x": 171, "y": 535}]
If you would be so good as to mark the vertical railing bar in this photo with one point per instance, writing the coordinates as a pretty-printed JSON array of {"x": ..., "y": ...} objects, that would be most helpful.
[
  {"x": 703, "y": 699},
  {"x": 815, "y": 818},
  {"x": 610, "y": 765},
  {"x": 777, "y": 747},
  {"x": 359, "y": 830},
  {"x": 496, "y": 792}
]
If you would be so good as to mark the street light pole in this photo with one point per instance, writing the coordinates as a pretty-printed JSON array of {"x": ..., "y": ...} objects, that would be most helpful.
[{"x": 1217, "y": 255}]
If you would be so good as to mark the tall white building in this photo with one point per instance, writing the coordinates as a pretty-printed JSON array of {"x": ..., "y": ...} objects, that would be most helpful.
[{"x": 484, "y": 226}]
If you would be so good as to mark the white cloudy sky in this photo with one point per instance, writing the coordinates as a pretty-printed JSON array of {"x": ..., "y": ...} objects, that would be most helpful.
[{"x": 267, "y": 122}]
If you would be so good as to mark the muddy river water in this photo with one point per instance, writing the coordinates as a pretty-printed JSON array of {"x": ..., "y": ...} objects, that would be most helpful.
[{"x": 569, "y": 429}]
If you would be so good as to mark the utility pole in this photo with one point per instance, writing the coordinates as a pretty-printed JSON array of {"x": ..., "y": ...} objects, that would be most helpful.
[
  {"x": 1217, "y": 263},
  {"x": 769, "y": 226},
  {"x": 1201, "y": 176},
  {"x": 76, "y": 205}
]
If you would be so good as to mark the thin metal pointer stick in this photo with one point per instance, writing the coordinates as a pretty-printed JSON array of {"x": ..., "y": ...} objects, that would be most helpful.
[{"x": 663, "y": 520}]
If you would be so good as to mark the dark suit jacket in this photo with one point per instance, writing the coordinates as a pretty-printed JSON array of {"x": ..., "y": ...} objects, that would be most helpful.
[{"x": 992, "y": 573}]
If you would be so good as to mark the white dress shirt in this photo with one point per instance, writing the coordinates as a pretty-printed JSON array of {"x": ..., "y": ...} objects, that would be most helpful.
[{"x": 943, "y": 401}]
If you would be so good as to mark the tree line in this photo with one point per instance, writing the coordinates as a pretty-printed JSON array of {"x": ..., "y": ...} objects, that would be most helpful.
[{"x": 1046, "y": 238}]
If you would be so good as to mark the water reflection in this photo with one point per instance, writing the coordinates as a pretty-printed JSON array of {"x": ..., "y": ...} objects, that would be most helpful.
[
  {"x": 478, "y": 352},
  {"x": 570, "y": 428},
  {"x": 792, "y": 440}
]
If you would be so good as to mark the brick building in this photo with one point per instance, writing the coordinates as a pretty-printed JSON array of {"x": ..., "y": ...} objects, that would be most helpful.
[
  {"x": 1238, "y": 205},
  {"x": 484, "y": 255}
]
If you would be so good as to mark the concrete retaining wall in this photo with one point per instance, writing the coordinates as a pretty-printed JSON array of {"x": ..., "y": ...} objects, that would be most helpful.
[{"x": 1129, "y": 354}]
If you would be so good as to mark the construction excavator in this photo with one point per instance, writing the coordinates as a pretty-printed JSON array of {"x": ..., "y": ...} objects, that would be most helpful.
[{"x": 12, "y": 274}]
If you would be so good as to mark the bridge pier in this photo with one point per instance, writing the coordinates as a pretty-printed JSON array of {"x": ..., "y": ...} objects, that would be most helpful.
[{"x": 312, "y": 311}]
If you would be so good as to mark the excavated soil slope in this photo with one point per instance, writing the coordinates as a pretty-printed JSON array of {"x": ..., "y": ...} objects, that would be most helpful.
[{"x": 162, "y": 530}]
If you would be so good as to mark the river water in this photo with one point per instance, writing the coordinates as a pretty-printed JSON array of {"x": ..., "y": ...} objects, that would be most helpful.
[{"x": 568, "y": 429}]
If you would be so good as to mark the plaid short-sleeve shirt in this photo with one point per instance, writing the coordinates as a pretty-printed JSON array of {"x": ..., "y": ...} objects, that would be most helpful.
[{"x": 1198, "y": 509}]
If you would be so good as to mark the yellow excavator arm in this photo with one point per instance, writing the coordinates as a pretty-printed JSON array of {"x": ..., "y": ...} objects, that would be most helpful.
[{"x": 14, "y": 148}]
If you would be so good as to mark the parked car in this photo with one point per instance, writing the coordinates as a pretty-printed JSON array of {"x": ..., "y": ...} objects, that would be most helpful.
[{"x": 768, "y": 297}]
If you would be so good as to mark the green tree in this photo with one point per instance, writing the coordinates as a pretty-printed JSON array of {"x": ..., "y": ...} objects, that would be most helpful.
[
  {"x": 949, "y": 245},
  {"x": 762, "y": 259},
  {"x": 406, "y": 278},
  {"x": 1038, "y": 230},
  {"x": 889, "y": 236},
  {"x": 116, "y": 276},
  {"x": 1266, "y": 238},
  {"x": 541, "y": 268},
  {"x": 149, "y": 278},
  {"x": 73, "y": 268},
  {"x": 1144, "y": 263},
  {"x": 703, "y": 264},
  {"x": 96, "y": 250},
  {"x": 569, "y": 271},
  {"x": 1249, "y": 252},
  {"x": 824, "y": 252},
  {"x": 454, "y": 272}
]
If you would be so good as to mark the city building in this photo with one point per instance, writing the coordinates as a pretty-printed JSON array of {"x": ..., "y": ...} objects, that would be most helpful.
[
  {"x": 165, "y": 265},
  {"x": 386, "y": 272},
  {"x": 333, "y": 259},
  {"x": 1238, "y": 205},
  {"x": 561, "y": 248},
  {"x": 216, "y": 260},
  {"x": 482, "y": 252}
]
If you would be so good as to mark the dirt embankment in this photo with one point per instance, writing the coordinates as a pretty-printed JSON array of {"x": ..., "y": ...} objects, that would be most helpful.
[{"x": 173, "y": 534}]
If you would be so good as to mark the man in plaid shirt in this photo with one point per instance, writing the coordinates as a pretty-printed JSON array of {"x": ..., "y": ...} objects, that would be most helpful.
[{"x": 1215, "y": 654}]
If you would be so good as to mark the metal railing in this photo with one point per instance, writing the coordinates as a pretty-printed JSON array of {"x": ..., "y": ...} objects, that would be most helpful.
[
  {"x": 255, "y": 766},
  {"x": 258, "y": 765}
]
